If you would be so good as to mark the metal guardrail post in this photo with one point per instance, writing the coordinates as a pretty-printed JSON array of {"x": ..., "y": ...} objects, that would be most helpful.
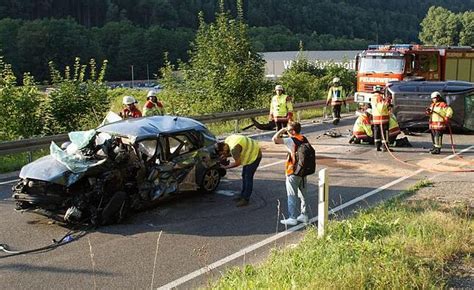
[
  {"x": 237, "y": 129},
  {"x": 323, "y": 202}
]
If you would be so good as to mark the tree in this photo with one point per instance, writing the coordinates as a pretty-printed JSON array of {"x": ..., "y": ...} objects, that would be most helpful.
[
  {"x": 224, "y": 73},
  {"x": 466, "y": 36},
  {"x": 440, "y": 27}
]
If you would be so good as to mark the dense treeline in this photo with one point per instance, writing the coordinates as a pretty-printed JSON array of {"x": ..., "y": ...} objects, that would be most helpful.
[{"x": 130, "y": 32}]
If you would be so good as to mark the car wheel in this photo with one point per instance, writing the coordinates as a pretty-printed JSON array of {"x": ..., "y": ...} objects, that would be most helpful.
[
  {"x": 115, "y": 209},
  {"x": 210, "y": 180}
]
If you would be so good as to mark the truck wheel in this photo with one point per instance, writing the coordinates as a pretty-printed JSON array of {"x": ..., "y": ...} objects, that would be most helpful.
[
  {"x": 114, "y": 211},
  {"x": 210, "y": 180}
]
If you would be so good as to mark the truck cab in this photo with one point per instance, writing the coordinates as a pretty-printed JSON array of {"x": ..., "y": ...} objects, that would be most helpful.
[{"x": 380, "y": 64}]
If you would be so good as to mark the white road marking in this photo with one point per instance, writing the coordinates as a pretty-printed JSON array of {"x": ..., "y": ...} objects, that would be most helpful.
[
  {"x": 273, "y": 238},
  {"x": 227, "y": 192},
  {"x": 271, "y": 164},
  {"x": 8, "y": 181}
]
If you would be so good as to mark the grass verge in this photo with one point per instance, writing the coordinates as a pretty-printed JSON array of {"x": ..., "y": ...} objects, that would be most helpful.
[
  {"x": 395, "y": 245},
  {"x": 13, "y": 162}
]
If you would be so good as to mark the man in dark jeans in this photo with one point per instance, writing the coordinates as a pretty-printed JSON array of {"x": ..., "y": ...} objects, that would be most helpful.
[{"x": 246, "y": 152}]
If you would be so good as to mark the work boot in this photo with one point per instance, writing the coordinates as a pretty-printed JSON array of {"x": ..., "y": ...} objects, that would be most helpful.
[
  {"x": 335, "y": 121},
  {"x": 352, "y": 140},
  {"x": 378, "y": 144}
]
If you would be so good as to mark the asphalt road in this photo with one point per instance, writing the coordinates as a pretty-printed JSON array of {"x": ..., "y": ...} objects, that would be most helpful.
[{"x": 197, "y": 230}]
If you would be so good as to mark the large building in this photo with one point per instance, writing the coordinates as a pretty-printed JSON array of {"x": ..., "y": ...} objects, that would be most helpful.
[{"x": 277, "y": 62}]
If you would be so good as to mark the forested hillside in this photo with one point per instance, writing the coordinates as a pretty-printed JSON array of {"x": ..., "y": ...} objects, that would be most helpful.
[{"x": 138, "y": 32}]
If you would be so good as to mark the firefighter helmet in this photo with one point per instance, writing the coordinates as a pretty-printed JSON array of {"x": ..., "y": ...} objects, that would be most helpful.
[
  {"x": 278, "y": 88},
  {"x": 435, "y": 95},
  {"x": 378, "y": 88},
  {"x": 128, "y": 100},
  {"x": 336, "y": 80},
  {"x": 151, "y": 93}
]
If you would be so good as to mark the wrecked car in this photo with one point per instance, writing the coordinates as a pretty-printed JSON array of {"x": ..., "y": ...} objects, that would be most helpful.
[{"x": 103, "y": 174}]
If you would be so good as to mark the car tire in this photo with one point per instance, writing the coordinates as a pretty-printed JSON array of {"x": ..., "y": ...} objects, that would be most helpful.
[
  {"x": 210, "y": 180},
  {"x": 115, "y": 209}
]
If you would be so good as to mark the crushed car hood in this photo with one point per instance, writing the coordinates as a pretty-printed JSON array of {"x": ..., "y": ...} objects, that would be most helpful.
[{"x": 47, "y": 168}]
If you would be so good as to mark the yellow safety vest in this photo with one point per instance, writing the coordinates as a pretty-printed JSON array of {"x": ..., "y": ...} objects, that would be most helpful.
[
  {"x": 336, "y": 95},
  {"x": 250, "y": 148},
  {"x": 280, "y": 105},
  {"x": 380, "y": 114},
  {"x": 393, "y": 127},
  {"x": 440, "y": 111},
  {"x": 362, "y": 127}
]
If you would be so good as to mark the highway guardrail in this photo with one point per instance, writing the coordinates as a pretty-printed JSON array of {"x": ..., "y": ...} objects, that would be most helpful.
[{"x": 32, "y": 144}]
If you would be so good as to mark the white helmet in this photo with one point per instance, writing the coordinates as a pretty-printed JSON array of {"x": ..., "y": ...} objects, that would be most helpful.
[
  {"x": 435, "y": 95},
  {"x": 368, "y": 111},
  {"x": 151, "y": 93},
  {"x": 336, "y": 80},
  {"x": 128, "y": 100},
  {"x": 278, "y": 88}
]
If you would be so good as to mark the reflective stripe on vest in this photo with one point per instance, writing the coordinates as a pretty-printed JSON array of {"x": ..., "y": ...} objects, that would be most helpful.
[
  {"x": 279, "y": 108},
  {"x": 362, "y": 127},
  {"x": 393, "y": 128},
  {"x": 250, "y": 148},
  {"x": 380, "y": 114},
  {"x": 440, "y": 111}
]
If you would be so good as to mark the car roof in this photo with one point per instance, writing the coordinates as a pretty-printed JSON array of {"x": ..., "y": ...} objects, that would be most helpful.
[
  {"x": 146, "y": 127},
  {"x": 418, "y": 87}
]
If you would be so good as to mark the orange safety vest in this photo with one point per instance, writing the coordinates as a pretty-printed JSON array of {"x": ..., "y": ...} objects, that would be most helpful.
[
  {"x": 290, "y": 161},
  {"x": 380, "y": 114},
  {"x": 440, "y": 112}
]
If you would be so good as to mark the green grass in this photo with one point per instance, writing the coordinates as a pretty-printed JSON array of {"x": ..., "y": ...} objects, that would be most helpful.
[
  {"x": 13, "y": 162},
  {"x": 395, "y": 245}
]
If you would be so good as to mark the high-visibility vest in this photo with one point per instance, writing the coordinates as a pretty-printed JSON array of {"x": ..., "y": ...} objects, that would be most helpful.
[
  {"x": 250, "y": 148},
  {"x": 281, "y": 105},
  {"x": 362, "y": 127},
  {"x": 153, "y": 109},
  {"x": 439, "y": 112},
  {"x": 290, "y": 161},
  {"x": 336, "y": 95},
  {"x": 393, "y": 128},
  {"x": 380, "y": 113}
]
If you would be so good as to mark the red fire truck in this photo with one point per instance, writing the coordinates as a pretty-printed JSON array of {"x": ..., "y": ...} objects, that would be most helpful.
[{"x": 380, "y": 64}]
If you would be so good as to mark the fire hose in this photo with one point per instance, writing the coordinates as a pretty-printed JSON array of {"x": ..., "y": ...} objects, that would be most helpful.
[{"x": 385, "y": 143}]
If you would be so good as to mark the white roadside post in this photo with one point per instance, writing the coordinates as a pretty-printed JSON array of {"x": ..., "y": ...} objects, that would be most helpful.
[{"x": 323, "y": 202}]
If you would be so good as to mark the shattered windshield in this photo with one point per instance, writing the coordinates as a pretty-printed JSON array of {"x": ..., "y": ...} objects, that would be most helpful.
[
  {"x": 77, "y": 156},
  {"x": 381, "y": 64}
]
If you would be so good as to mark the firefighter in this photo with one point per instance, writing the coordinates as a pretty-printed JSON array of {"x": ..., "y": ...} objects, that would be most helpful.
[
  {"x": 130, "y": 110},
  {"x": 153, "y": 107},
  {"x": 362, "y": 130},
  {"x": 439, "y": 113},
  {"x": 394, "y": 131},
  {"x": 336, "y": 97},
  {"x": 281, "y": 108},
  {"x": 246, "y": 152},
  {"x": 380, "y": 119}
]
